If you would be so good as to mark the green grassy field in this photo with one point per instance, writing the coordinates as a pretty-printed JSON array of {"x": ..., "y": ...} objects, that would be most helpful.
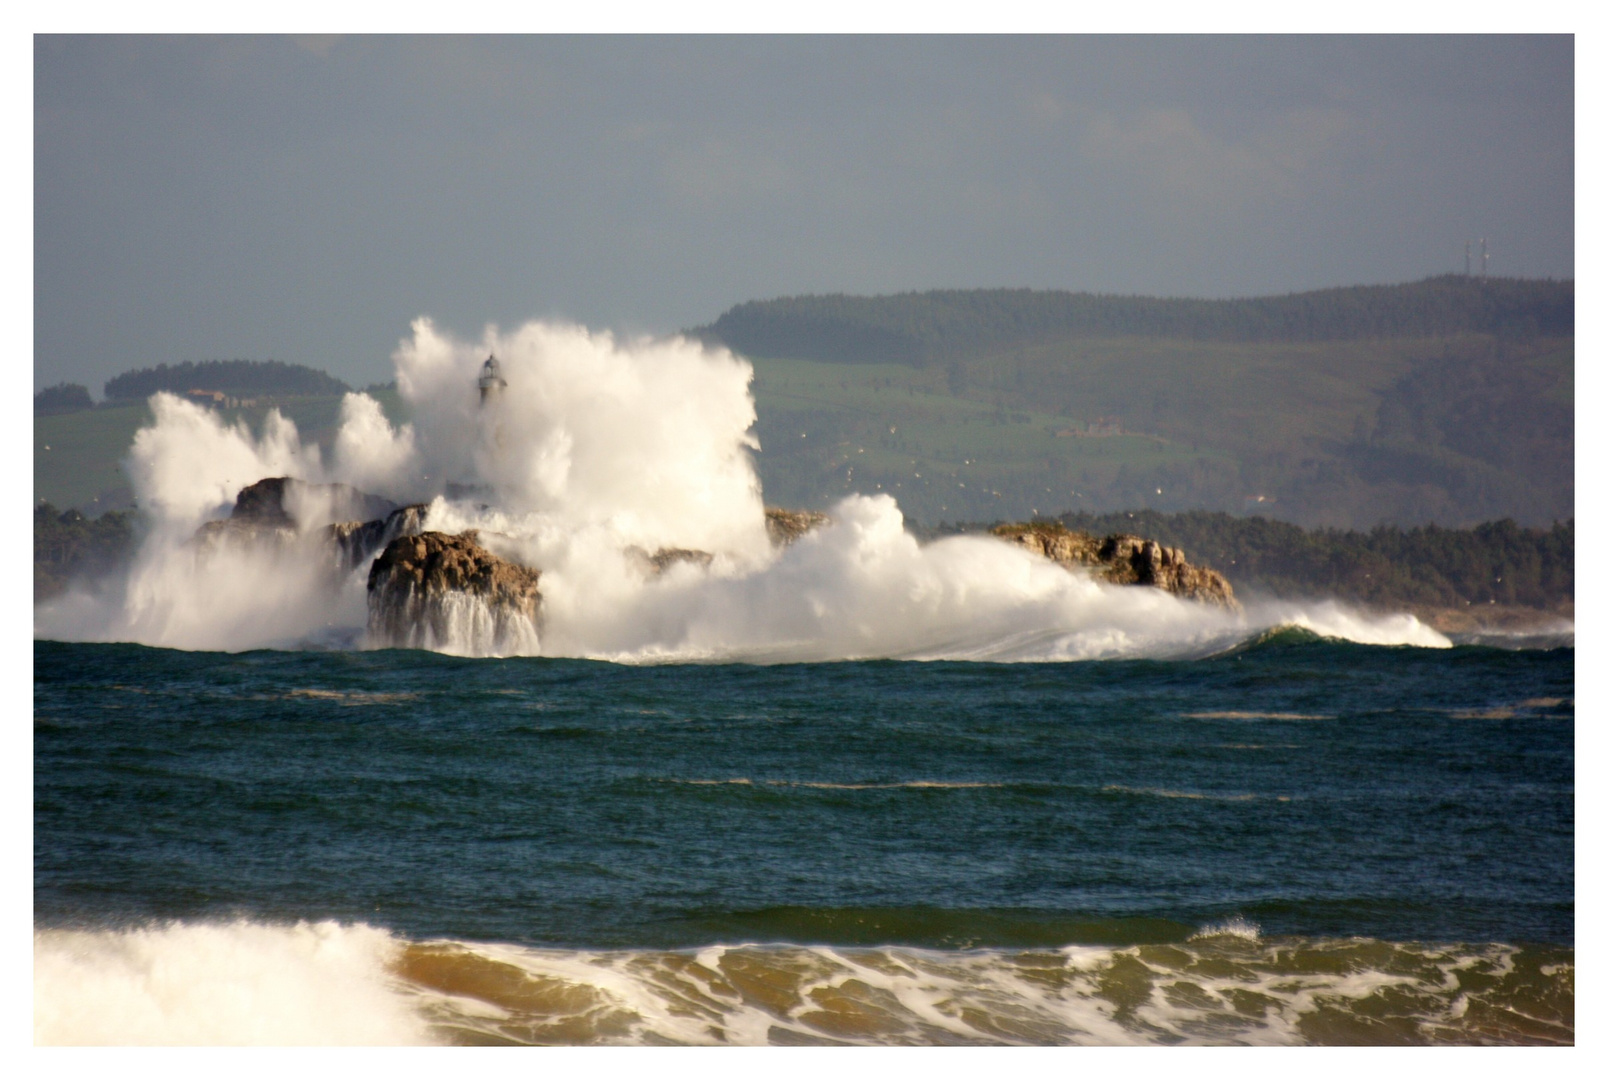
[
  {"x": 830, "y": 429},
  {"x": 1349, "y": 433},
  {"x": 77, "y": 456}
]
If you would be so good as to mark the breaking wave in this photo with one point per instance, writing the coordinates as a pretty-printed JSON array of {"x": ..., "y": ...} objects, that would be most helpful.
[
  {"x": 326, "y": 983},
  {"x": 598, "y": 450}
]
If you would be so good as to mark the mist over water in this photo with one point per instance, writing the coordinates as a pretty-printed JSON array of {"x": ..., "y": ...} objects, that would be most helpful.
[{"x": 601, "y": 450}]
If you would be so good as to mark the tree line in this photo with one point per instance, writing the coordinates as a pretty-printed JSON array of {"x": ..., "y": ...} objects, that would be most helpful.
[
  {"x": 69, "y": 545},
  {"x": 62, "y": 398},
  {"x": 237, "y": 377},
  {"x": 931, "y": 327}
]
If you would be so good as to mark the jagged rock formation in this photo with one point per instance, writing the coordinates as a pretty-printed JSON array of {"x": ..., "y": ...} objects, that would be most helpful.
[
  {"x": 1124, "y": 560},
  {"x": 434, "y": 591},
  {"x": 355, "y": 542},
  {"x": 785, "y": 526}
]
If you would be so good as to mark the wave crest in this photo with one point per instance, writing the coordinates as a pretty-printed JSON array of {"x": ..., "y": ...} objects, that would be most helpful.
[{"x": 324, "y": 983}]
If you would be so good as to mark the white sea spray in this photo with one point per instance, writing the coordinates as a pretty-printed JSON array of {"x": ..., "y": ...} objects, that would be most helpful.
[
  {"x": 220, "y": 984},
  {"x": 601, "y": 449}
]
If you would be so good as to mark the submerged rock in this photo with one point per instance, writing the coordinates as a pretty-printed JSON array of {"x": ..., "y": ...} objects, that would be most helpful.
[
  {"x": 435, "y": 591},
  {"x": 1124, "y": 560},
  {"x": 782, "y": 526},
  {"x": 661, "y": 560}
]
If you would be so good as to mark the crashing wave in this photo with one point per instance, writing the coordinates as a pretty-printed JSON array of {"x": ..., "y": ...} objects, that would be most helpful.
[
  {"x": 325, "y": 983},
  {"x": 622, "y": 472}
]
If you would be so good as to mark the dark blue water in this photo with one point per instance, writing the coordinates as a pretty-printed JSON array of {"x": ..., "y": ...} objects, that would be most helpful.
[{"x": 1315, "y": 788}]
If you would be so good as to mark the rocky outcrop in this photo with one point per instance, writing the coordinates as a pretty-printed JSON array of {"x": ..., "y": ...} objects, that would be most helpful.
[
  {"x": 434, "y": 591},
  {"x": 1124, "y": 560},
  {"x": 786, "y": 526},
  {"x": 1134, "y": 560},
  {"x": 263, "y": 503},
  {"x": 355, "y": 542},
  {"x": 284, "y": 501},
  {"x": 347, "y": 526}
]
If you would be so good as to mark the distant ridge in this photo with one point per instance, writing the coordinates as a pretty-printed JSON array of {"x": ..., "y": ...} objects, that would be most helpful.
[
  {"x": 229, "y": 376},
  {"x": 927, "y": 327}
]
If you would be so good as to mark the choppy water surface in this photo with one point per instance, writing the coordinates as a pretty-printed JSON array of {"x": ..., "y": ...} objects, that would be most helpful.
[{"x": 1300, "y": 841}]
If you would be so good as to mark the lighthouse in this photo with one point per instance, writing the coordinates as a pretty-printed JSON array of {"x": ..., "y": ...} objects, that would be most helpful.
[{"x": 491, "y": 381}]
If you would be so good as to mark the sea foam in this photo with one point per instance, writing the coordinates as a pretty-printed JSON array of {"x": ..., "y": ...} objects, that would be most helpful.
[
  {"x": 325, "y": 983},
  {"x": 221, "y": 984}
]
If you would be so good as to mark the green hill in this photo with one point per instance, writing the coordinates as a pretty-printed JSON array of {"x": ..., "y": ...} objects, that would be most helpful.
[
  {"x": 1449, "y": 400},
  {"x": 932, "y": 327}
]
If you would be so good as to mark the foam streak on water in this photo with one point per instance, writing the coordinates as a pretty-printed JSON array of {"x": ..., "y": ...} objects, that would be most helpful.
[{"x": 246, "y": 983}]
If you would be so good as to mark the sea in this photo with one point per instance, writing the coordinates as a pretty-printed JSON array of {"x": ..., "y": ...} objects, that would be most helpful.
[{"x": 1293, "y": 840}]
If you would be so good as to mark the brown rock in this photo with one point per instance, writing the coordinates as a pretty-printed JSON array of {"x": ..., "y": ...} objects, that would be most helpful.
[
  {"x": 415, "y": 581},
  {"x": 661, "y": 560},
  {"x": 263, "y": 502},
  {"x": 1055, "y": 542},
  {"x": 1124, "y": 560},
  {"x": 785, "y": 526}
]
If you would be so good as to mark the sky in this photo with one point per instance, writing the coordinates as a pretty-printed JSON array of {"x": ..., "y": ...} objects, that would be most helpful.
[{"x": 304, "y": 199}]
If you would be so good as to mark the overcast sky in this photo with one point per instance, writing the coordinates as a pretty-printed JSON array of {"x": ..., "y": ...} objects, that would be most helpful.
[{"x": 303, "y": 200}]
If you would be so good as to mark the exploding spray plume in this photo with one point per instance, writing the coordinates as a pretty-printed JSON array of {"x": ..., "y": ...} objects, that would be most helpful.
[{"x": 579, "y": 454}]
